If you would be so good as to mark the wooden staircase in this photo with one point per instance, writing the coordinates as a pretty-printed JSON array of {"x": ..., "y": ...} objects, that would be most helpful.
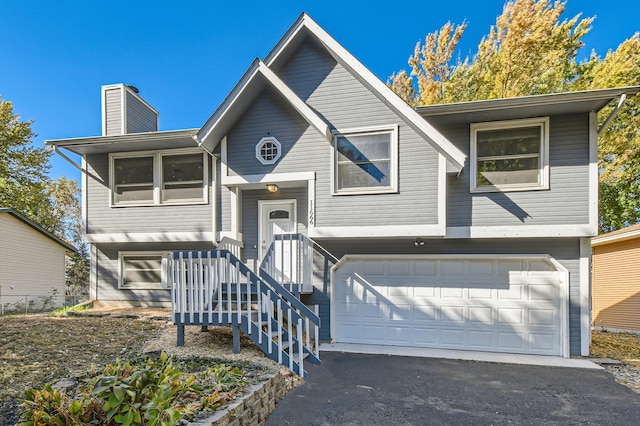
[{"x": 215, "y": 288}]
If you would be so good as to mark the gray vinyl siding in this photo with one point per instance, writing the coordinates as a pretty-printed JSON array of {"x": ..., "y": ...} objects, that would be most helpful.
[
  {"x": 107, "y": 271},
  {"x": 564, "y": 250},
  {"x": 113, "y": 111},
  {"x": 250, "y": 218},
  {"x": 140, "y": 118},
  {"x": 101, "y": 218},
  {"x": 566, "y": 202},
  {"x": 344, "y": 103}
]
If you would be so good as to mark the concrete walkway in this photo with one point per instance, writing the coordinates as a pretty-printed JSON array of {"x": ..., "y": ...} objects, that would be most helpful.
[{"x": 549, "y": 361}]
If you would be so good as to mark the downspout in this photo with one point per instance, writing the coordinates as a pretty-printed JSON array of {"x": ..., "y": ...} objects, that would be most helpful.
[
  {"x": 606, "y": 123},
  {"x": 74, "y": 164}
]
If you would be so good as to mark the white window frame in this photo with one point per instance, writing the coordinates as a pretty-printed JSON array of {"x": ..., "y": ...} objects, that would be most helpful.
[
  {"x": 150, "y": 286},
  {"x": 543, "y": 164},
  {"x": 259, "y": 146},
  {"x": 393, "y": 131},
  {"x": 157, "y": 177}
]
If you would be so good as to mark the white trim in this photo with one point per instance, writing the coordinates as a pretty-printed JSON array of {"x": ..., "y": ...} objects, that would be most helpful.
[
  {"x": 236, "y": 208},
  {"x": 149, "y": 237},
  {"x": 563, "y": 293},
  {"x": 227, "y": 106},
  {"x": 214, "y": 201},
  {"x": 386, "y": 231},
  {"x": 311, "y": 208},
  {"x": 103, "y": 103},
  {"x": 585, "y": 296},
  {"x": 267, "y": 178},
  {"x": 123, "y": 112},
  {"x": 277, "y": 155},
  {"x": 93, "y": 273},
  {"x": 83, "y": 196},
  {"x": 442, "y": 190},
  {"x": 622, "y": 236},
  {"x": 224, "y": 168},
  {"x": 521, "y": 231},
  {"x": 157, "y": 156},
  {"x": 542, "y": 122},
  {"x": 261, "y": 205},
  {"x": 164, "y": 256},
  {"x": 298, "y": 104},
  {"x": 593, "y": 169},
  {"x": 393, "y": 132},
  {"x": 364, "y": 75}
]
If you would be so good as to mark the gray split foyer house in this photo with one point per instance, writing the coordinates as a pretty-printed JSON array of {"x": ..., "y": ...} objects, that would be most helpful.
[{"x": 463, "y": 226}]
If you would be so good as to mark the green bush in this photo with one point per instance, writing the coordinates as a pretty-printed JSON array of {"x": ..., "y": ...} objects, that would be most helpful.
[{"x": 153, "y": 393}]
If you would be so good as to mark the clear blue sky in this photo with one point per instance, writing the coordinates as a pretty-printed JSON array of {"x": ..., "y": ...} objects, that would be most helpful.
[{"x": 185, "y": 56}]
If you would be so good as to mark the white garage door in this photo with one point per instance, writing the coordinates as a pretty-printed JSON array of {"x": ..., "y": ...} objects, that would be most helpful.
[{"x": 487, "y": 304}]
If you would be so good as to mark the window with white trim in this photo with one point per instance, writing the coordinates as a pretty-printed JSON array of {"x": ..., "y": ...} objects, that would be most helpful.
[
  {"x": 510, "y": 155},
  {"x": 142, "y": 270},
  {"x": 365, "y": 161},
  {"x": 161, "y": 177},
  {"x": 268, "y": 150}
]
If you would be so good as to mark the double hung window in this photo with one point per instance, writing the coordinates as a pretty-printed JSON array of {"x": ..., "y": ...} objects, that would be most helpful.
[
  {"x": 366, "y": 161},
  {"x": 162, "y": 177},
  {"x": 510, "y": 155}
]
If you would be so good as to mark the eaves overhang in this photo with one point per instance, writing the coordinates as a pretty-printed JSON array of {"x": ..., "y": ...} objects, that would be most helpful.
[
  {"x": 253, "y": 82},
  {"x": 535, "y": 105},
  {"x": 147, "y": 141}
]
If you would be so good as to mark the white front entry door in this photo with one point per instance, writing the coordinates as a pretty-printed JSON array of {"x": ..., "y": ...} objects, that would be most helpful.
[{"x": 279, "y": 218}]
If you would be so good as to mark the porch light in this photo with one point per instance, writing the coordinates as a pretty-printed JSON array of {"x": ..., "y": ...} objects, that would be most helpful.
[{"x": 272, "y": 187}]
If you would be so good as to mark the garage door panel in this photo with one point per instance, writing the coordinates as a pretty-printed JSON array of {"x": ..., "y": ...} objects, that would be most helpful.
[
  {"x": 481, "y": 315},
  {"x": 480, "y": 304},
  {"x": 452, "y": 314},
  {"x": 542, "y": 317},
  {"x": 425, "y": 313},
  {"x": 481, "y": 340},
  {"x": 452, "y": 337},
  {"x": 510, "y": 316}
]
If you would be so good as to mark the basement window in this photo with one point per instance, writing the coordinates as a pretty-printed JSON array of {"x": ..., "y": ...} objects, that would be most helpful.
[{"x": 143, "y": 270}]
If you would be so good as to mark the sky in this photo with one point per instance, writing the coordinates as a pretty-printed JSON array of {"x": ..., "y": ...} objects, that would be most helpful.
[{"x": 185, "y": 56}]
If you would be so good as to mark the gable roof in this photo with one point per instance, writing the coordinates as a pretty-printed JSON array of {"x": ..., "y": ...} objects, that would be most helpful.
[
  {"x": 256, "y": 78},
  {"x": 627, "y": 233},
  {"x": 239, "y": 99},
  {"x": 38, "y": 228}
]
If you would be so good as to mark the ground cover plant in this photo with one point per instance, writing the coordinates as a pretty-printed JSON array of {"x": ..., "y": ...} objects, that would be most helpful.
[
  {"x": 619, "y": 346},
  {"x": 36, "y": 350},
  {"x": 155, "y": 391}
]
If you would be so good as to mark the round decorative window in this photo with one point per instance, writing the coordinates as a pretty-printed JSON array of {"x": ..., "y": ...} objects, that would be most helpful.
[{"x": 268, "y": 150}]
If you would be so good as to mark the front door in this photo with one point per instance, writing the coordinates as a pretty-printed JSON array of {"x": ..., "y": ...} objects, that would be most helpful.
[{"x": 278, "y": 218}]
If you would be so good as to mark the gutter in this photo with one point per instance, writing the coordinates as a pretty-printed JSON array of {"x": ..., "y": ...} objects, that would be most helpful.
[{"x": 613, "y": 113}]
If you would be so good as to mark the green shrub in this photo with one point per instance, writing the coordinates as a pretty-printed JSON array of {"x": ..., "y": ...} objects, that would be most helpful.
[{"x": 153, "y": 393}]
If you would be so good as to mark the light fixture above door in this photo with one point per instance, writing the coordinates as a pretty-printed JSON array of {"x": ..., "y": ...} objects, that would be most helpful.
[{"x": 272, "y": 187}]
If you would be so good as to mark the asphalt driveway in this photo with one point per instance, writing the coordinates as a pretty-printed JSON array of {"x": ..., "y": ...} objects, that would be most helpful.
[{"x": 364, "y": 389}]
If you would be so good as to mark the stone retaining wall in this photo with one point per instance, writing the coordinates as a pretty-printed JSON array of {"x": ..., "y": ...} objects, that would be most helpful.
[{"x": 254, "y": 406}]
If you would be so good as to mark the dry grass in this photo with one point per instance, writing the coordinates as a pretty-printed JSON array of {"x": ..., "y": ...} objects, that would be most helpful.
[
  {"x": 39, "y": 349},
  {"x": 620, "y": 346}
]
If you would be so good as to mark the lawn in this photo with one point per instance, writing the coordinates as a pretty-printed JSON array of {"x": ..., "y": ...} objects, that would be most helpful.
[
  {"x": 39, "y": 349},
  {"x": 620, "y": 346}
]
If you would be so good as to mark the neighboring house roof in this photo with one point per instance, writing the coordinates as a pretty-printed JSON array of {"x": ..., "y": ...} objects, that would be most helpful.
[
  {"x": 617, "y": 236},
  {"x": 239, "y": 99},
  {"x": 146, "y": 141},
  {"x": 38, "y": 228}
]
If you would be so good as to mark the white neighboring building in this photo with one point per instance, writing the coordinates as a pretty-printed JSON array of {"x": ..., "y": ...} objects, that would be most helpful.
[{"x": 32, "y": 264}]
